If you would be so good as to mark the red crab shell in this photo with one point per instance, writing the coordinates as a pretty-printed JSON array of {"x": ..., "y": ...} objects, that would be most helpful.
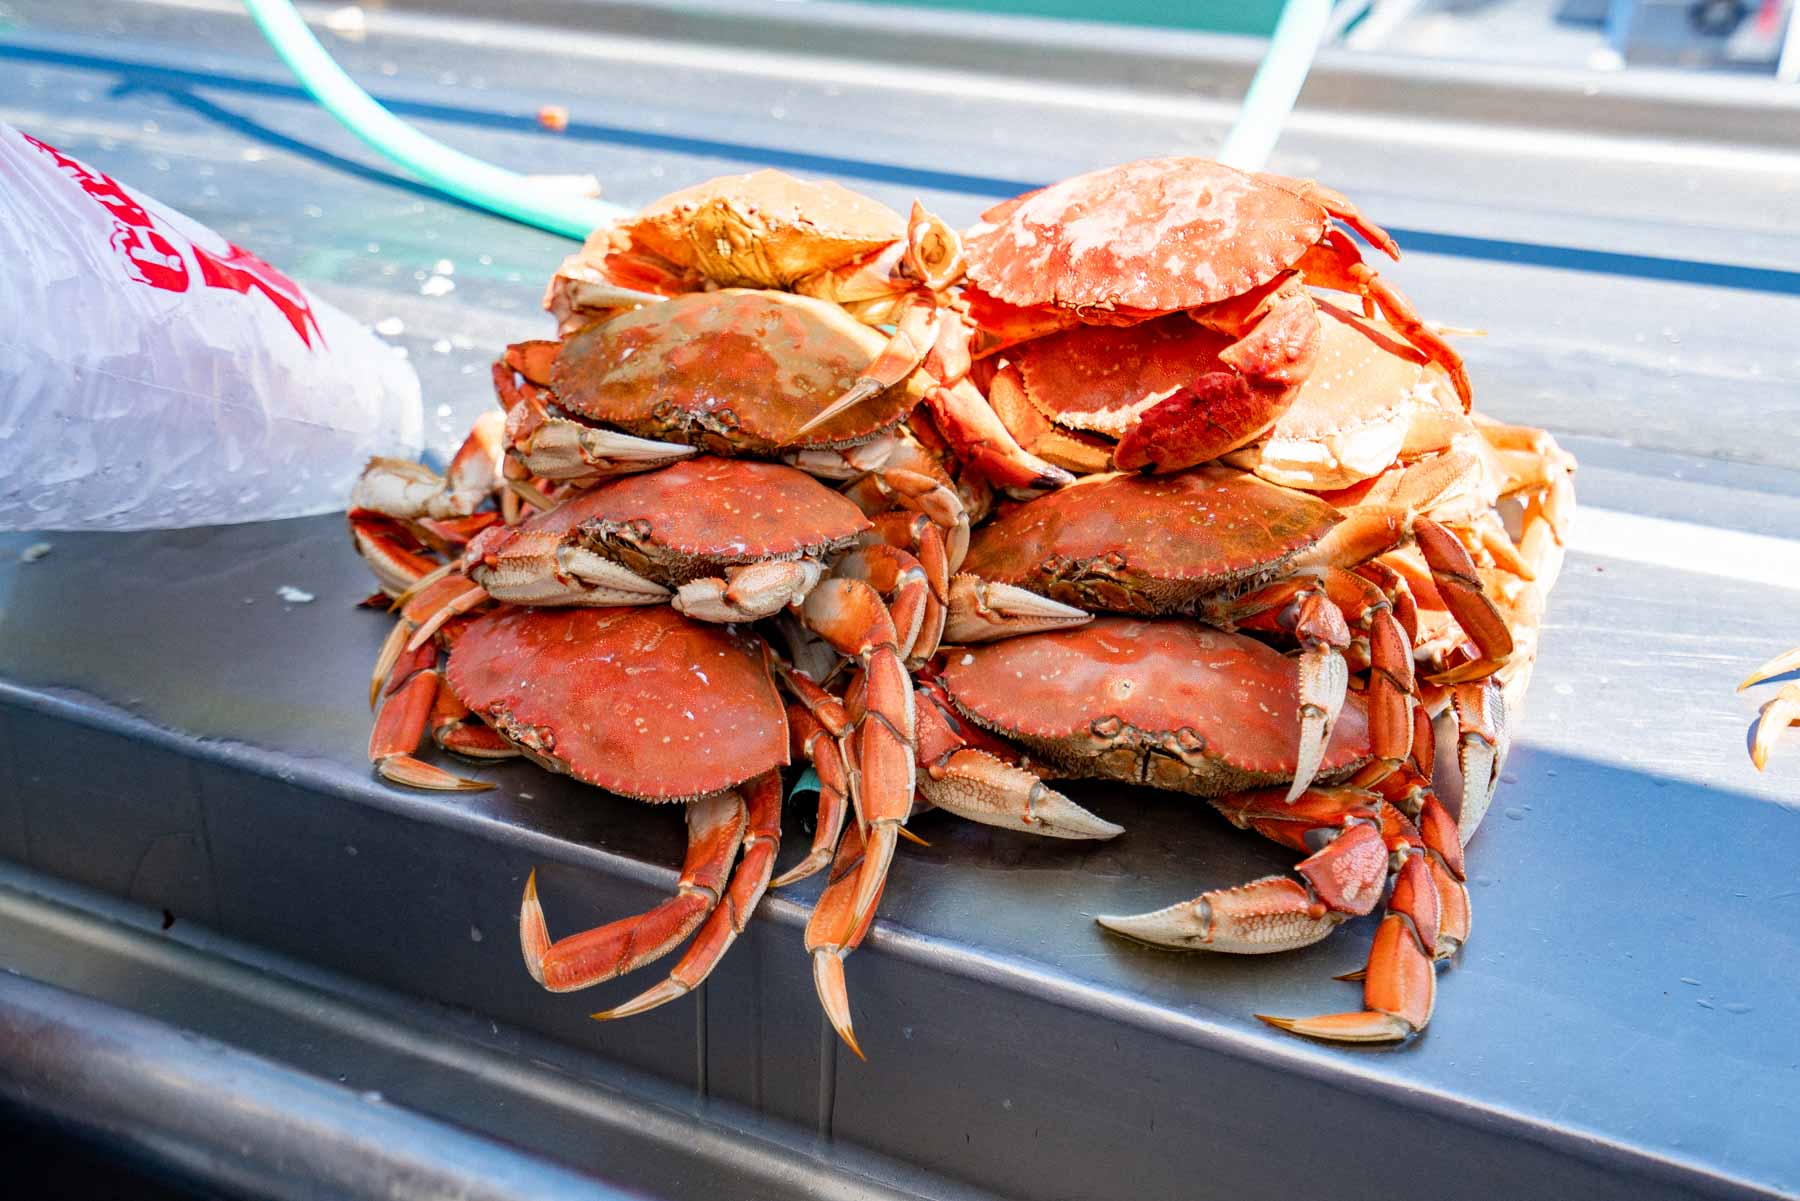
[
  {"x": 1152, "y": 236},
  {"x": 639, "y": 701},
  {"x": 734, "y": 371},
  {"x": 765, "y": 229},
  {"x": 704, "y": 513},
  {"x": 1149, "y": 543},
  {"x": 1101, "y": 377},
  {"x": 1167, "y": 703}
]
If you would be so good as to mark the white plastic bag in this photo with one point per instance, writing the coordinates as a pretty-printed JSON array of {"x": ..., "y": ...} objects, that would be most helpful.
[{"x": 154, "y": 375}]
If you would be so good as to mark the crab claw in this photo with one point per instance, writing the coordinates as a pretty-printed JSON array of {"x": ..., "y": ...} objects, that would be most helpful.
[
  {"x": 1400, "y": 981},
  {"x": 1324, "y": 678},
  {"x": 1258, "y": 918},
  {"x": 1777, "y": 716},
  {"x": 981, "y": 611},
  {"x": 1780, "y": 665},
  {"x": 979, "y": 787}
]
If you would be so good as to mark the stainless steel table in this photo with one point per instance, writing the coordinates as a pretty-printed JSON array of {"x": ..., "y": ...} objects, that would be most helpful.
[{"x": 179, "y": 747}]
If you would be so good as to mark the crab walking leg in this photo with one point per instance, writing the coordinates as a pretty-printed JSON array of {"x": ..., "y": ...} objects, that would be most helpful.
[
  {"x": 980, "y": 439},
  {"x": 835, "y": 929},
  {"x": 1776, "y": 716},
  {"x": 1458, "y": 584},
  {"x": 923, "y": 541},
  {"x": 821, "y": 748},
  {"x": 1408, "y": 792},
  {"x": 849, "y": 615},
  {"x": 1336, "y": 265},
  {"x": 1340, "y": 880},
  {"x": 1373, "y": 530},
  {"x": 412, "y": 697},
  {"x": 761, "y": 843},
  {"x": 978, "y": 785},
  {"x": 915, "y": 333},
  {"x": 1400, "y": 981},
  {"x": 1313, "y": 607},
  {"x": 390, "y": 551},
  {"x": 399, "y": 488},
  {"x": 1780, "y": 665},
  {"x": 715, "y": 826},
  {"x": 1337, "y": 205},
  {"x": 899, "y": 579}
]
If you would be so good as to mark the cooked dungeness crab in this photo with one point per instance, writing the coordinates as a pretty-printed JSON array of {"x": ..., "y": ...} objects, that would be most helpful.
[
  {"x": 1238, "y": 553},
  {"x": 1174, "y": 705},
  {"x": 770, "y": 230},
  {"x": 1158, "y": 311}
]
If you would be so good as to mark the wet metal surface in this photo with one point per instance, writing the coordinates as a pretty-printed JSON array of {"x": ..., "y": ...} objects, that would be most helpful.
[{"x": 1623, "y": 1020}]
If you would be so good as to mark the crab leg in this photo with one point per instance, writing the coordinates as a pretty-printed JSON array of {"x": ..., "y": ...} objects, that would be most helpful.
[
  {"x": 749, "y": 592},
  {"x": 400, "y": 726},
  {"x": 389, "y": 550},
  {"x": 1776, "y": 716},
  {"x": 1343, "y": 878},
  {"x": 1400, "y": 981},
  {"x": 399, "y": 488},
  {"x": 1334, "y": 263},
  {"x": 979, "y": 785},
  {"x": 981, "y": 611},
  {"x": 761, "y": 843},
  {"x": 900, "y": 581},
  {"x": 1454, "y": 576},
  {"x": 849, "y": 615},
  {"x": 979, "y": 438},
  {"x": 921, "y": 538},
  {"x": 835, "y": 929},
  {"x": 820, "y": 745},
  {"x": 1336, "y": 204},
  {"x": 715, "y": 826}
]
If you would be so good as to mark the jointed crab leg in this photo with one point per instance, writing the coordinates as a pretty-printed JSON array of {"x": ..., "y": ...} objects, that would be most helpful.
[
  {"x": 1780, "y": 665},
  {"x": 400, "y": 488},
  {"x": 820, "y": 746},
  {"x": 1777, "y": 716},
  {"x": 1400, "y": 982},
  {"x": 1341, "y": 879},
  {"x": 1335, "y": 264},
  {"x": 715, "y": 826},
  {"x": 761, "y": 843},
  {"x": 835, "y": 929},
  {"x": 560, "y": 448},
  {"x": 850, "y": 615},
  {"x": 413, "y": 699}
]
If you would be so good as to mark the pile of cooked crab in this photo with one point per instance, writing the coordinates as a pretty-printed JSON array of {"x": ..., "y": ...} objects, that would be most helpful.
[{"x": 1147, "y": 477}]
